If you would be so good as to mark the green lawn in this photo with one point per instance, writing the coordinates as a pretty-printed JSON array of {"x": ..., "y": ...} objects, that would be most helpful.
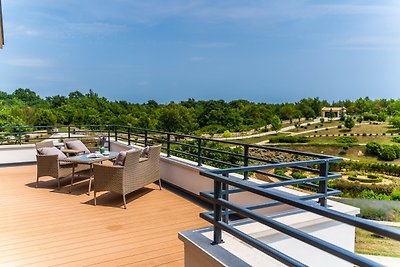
[{"x": 367, "y": 243}]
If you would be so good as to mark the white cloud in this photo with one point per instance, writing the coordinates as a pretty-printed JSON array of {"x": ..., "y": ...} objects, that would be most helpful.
[{"x": 28, "y": 62}]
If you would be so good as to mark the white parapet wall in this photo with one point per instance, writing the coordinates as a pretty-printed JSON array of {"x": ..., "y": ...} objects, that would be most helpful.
[
  {"x": 11, "y": 154},
  {"x": 233, "y": 252}
]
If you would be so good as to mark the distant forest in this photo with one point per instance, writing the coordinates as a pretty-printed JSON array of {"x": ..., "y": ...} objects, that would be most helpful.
[{"x": 25, "y": 107}]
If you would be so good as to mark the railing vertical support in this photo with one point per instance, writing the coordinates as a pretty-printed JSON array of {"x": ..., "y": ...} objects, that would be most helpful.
[
  {"x": 115, "y": 134},
  {"x": 168, "y": 145},
  {"x": 217, "y": 213},
  {"x": 323, "y": 185},
  {"x": 109, "y": 137},
  {"x": 69, "y": 132},
  {"x": 199, "y": 151},
  {"x": 129, "y": 136},
  {"x": 19, "y": 135},
  {"x": 225, "y": 195},
  {"x": 246, "y": 161},
  {"x": 145, "y": 137}
]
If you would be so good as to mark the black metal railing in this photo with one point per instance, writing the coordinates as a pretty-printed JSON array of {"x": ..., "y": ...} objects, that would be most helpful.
[
  {"x": 223, "y": 209},
  {"x": 219, "y": 153}
]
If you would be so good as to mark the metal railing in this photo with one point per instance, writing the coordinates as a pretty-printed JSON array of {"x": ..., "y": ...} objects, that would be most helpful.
[
  {"x": 219, "y": 153},
  {"x": 223, "y": 209}
]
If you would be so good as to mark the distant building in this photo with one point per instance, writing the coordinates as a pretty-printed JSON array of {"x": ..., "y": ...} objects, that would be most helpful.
[{"x": 336, "y": 111}]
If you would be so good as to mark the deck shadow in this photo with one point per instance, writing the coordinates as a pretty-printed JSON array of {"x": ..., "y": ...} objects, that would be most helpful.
[{"x": 110, "y": 199}]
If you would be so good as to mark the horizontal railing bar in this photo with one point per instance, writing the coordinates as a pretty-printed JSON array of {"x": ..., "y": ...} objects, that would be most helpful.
[
  {"x": 275, "y": 165},
  {"x": 220, "y": 161},
  {"x": 300, "y": 235},
  {"x": 272, "y": 252},
  {"x": 210, "y": 196},
  {"x": 332, "y": 214}
]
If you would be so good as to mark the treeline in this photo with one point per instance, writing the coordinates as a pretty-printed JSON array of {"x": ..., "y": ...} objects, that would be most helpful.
[{"x": 25, "y": 107}]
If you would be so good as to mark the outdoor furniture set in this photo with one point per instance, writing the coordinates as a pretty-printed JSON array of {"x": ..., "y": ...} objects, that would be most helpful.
[{"x": 132, "y": 169}]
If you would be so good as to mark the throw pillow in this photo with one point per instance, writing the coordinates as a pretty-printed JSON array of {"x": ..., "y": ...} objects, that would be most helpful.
[
  {"x": 77, "y": 145},
  {"x": 145, "y": 152},
  {"x": 120, "y": 160},
  {"x": 46, "y": 151}
]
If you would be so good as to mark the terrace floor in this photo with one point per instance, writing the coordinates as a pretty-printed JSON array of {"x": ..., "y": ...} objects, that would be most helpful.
[{"x": 45, "y": 227}]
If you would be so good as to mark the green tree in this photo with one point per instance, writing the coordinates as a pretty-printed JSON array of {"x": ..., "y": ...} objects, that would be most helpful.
[
  {"x": 176, "y": 118},
  {"x": 45, "y": 117},
  {"x": 349, "y": 123},
  {"x": 276, "y": 123},
  {"x": 395, "y": 122}
]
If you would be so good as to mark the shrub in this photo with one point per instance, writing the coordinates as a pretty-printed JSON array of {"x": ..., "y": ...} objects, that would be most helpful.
[
  {"x": 365, "y": 180},
  {"x": 395, "y": 195},
  {"x": 316, "y": 126},
  {"x": 364, "y": 134},
  {"x": 346, "y": 140},
  {"x": 226, "y": 134},
  {"x": 289, "y": 139},
  {"x": 371, "y": 213},
  {"x": 388, "y": 153},
  {"x": 349, "y": 123},
  {"x": 281, "y": 171},
  {"x": 298, "y": 175},
  {"x": 339, "y": 126},
  {"x": 396, "y": 139},
  {"x": 373, "y": 148}
]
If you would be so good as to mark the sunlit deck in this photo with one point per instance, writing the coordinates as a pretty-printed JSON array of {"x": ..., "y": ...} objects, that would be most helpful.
[{"x": 45, "y": 227}]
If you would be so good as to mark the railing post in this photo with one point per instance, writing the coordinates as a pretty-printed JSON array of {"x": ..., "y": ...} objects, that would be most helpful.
[
  {"x": 145, "y": 137},
  {"x": 225, "y": 195},
  {"x": 168, "y": 145},
  {"x": 323, "y": 185},
  {"x": 115, "y": 134},
  {"x": 217, "y": 213},
  {"x": 129, "y": 136},
  {"x": 109, "y": 137},
  {"x": 19, "y": 135},
  {"x": 69, "y": 132},
  {"x": 199, "y": 151},
  {"x": 246, "y": 161}
]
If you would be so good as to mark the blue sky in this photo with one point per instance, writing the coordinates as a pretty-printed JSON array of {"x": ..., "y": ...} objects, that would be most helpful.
[{"x": 172, "y": 50}]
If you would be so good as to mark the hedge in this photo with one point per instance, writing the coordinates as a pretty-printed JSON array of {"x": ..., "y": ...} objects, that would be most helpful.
[{"x": 385, "y": 168}]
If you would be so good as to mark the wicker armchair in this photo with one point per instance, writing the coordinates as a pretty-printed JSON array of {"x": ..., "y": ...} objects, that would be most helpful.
[
  {"x": 49, "y": 165},
  {"x": 136, "y": 173}
]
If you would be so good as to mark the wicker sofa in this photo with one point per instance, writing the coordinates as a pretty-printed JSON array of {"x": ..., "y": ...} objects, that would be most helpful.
[{"x": 134, "y": 174}]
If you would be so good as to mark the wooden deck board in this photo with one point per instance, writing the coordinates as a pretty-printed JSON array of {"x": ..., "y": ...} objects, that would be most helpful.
[{"x": 45, "y": 227}]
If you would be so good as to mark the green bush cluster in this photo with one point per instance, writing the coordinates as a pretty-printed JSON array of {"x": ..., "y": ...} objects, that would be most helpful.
[
  {"x": 298, "y": 175},
  {"x": 281, "y": 172},
  {"x": 384, "y": 152},
  {"x": 364, "y": 166},
  {"x": 289, "y": 139},
  {"x": 375, "y": 179},
  {"x": 368, "y": 191},
  {"x": 346, "y": 139},
  {"x": 372, "y": 213},
  {"x": 396, "y": 139}
]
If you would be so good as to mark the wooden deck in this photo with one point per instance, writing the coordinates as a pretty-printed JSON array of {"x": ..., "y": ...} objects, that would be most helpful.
[{"x": 45, "y": 227}]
